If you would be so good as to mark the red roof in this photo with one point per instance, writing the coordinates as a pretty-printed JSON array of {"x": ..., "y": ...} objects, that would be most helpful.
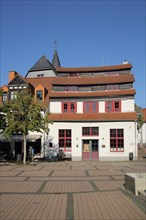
[
  {"x": 93, "y": 94},
  {"x": 88, "y": 80},
  {"x": 94, "y": 69},
  {"x": 95, "y": 80},
  {"x": 144, "y": 114},
  {"x": 122, "y": 116}
]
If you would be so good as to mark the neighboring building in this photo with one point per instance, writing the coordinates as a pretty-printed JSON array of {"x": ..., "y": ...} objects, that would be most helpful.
[
  {"x": 92, "y": 108},
  {"x": 143, "y": 129}
]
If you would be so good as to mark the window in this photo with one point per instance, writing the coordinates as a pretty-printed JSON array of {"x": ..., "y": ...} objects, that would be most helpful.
[
  {"x": 90, "y": 131},
  {"x": 74, "y": 74},
  {"x": 112, "y": 87},
  {"x": 117, "y": 106},
  {"x": 116, "y": 140},
  {"x": 13, "y": 95},
  {"x": 4, "y": 96},
  {"x": 39, "y": 95},
  {"x": 65, "y": 140},
  {"x": 90, "y": 107},
  {"x": 113, "y": 106},
  {"x": 70, "y": 107},
  {"x": 71, "y": 88},
  {"x": 40, "y": 75}
]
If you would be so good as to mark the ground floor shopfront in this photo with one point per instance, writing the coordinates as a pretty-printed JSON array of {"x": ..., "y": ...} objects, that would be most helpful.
[
  {"x": 14, "y": 147},
  {"x": 94, "y": 140},
  {"x": 83, "y": 141}
]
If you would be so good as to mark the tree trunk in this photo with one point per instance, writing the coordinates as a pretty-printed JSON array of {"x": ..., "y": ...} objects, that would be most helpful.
[{"x": 24, "y": 156}]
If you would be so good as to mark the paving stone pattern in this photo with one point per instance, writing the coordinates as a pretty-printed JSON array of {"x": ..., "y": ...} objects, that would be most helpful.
[{"x": 90, "y": 190}]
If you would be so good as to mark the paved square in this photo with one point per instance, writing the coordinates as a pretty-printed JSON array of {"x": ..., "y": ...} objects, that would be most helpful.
[
  {"x": 19, "y": 187},
  {"x": 61, "y": 187},
  {"x": 85, "y": 190},
  {"x": 105, "y": 205},
  {"x": 33, "y": 207}
]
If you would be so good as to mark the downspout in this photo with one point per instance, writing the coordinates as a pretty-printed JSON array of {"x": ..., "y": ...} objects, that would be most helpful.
[{"x": 135, "y": 140}]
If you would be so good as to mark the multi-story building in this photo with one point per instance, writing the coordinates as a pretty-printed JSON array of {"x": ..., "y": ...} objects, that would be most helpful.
[{"x": 92, "y": 108}]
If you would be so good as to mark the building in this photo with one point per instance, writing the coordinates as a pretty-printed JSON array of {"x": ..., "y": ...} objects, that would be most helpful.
[
  {"x": 92, "y": 108},
  {"x": 143, "y": 129}
]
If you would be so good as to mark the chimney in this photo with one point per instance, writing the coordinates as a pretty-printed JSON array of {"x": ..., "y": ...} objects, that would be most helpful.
[
  {"x": 12, "y": 74},
  {"x": 125, "y": 62}
]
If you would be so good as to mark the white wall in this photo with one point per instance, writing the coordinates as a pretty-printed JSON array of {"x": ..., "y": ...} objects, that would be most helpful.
[
  {"x": 129, "y": 140},
  {"x": 55, "y": 107},
  {"x": 127, "y": 105},
  {"x": 79, "y": 107},
  {"x": 101, "y": 106},
  {"x": 46, "y": 73},
  {"x": 144, "y": 133}
]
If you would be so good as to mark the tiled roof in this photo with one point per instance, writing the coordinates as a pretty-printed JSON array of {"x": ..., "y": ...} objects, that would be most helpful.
[
  {"x": 144, "y": 114},
  {"x": 94, "y": 69},
  {"x": 82, "y": 80},
  {"x": 89, "y": 80},
  {"x": 42, "y": 64},
  {"x": 44, "y": 81},
  {"x": 93, "y": 94},
  {"x": 48, "y": 81},
  {"x": 130, "y": 116}
]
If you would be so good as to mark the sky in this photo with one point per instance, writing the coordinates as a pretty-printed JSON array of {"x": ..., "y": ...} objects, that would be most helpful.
[{"x": 88, "y": 33}]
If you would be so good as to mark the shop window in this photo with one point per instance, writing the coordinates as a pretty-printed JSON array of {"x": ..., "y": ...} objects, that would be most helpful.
[
  {"x": 116, "y": 140},
  {"x": 65, "y": 140},
  {"x": 90, "y": 131}
]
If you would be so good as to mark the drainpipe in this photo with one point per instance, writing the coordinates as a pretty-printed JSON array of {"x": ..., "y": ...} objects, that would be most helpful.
[{"x": 135, "y": 139}]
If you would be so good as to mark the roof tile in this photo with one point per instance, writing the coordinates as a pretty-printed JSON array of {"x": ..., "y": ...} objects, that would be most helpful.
[{"x": 122, "y": 116}]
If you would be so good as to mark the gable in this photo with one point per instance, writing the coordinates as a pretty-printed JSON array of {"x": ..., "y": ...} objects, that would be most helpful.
[{"x": 18, "y": 80}]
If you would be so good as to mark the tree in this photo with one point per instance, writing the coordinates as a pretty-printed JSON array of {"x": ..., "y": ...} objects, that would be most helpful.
[
  {"x": 23, "y": 114},
  {"x": 140, "y": 121},
  {"x": 2, "y": 115},
  {"x": 2, "y": 120},
  {"x": 139, "y": 117}
]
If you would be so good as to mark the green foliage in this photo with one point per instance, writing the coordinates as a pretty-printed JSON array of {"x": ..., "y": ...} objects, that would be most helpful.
[
  {"x": 2, "y": 120},
  {"x": 140, "y": 118},
  {"x": 1, "y": 92},
  {"x": 24, "y": 114}
]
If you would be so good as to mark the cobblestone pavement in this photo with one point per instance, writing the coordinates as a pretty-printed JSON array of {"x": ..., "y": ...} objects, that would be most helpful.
[{"x": 88, "y": 190}]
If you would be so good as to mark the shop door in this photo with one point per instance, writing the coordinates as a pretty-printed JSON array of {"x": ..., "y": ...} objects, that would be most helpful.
[{"x": 90, "y": 150}]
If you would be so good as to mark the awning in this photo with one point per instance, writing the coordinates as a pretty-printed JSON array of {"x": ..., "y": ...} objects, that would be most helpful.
[{"x": 30, "y": 138}]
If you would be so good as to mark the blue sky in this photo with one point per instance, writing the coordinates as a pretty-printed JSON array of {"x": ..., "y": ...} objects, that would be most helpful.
[{"x": 88, "y": 33}]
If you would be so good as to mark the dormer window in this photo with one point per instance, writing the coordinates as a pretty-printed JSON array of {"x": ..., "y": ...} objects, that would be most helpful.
[
  {"x": 39, "y": 95},
  {"x": 40, "y": 75}
]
